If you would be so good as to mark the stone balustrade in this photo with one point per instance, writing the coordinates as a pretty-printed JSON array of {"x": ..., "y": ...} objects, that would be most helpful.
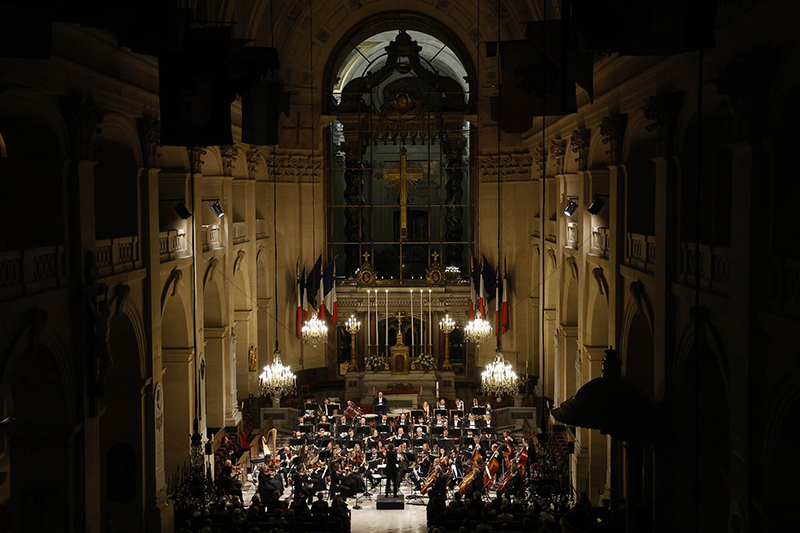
[
  {"x": 599, "y": 243},
  {"x": 212, "y": 238},
  {"x": 715, "y": 266},
  {"x": 116, "y": 255},
  {"x": 172, "y": 245},
  {"x": 32, "y": 270},
  {"x": 640, "y": 252},
  {"x": 261, "y": 229},
  {"x": 239, "y": 230}
]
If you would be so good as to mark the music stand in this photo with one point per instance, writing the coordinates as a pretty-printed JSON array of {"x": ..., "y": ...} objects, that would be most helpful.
[
  {"x": 455, "y": 432},
  {"x": 306, "y": 428},
  {"x": 457, "y": 412},
  {"x": 437, "y": 430},
  {"x": 324, "y": 425},
  {"x": 442, "y": 412},
  {"x": 364, "y": 430},
  {"x": 297, "y": 442},
  {"x": 417, "y": 413},
  {"x": 384, "y": 429},
  {"x": 379, "y": 409},
  {"x": 478, "y": 410},
  {"x": 423, "y": 426},
  {"x": 446, "y": 442},
  {"x": 489, "y": 431}
]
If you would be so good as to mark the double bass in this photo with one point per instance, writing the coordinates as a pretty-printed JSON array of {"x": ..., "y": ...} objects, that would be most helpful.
[
  {"x": 491, "y": 469},
  {"x": 466, "y": 483}
]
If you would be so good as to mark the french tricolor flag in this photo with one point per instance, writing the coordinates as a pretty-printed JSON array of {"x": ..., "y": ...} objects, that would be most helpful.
[
  {"x": 504, "y": 306},
  {"x": 330, "y": 301}
]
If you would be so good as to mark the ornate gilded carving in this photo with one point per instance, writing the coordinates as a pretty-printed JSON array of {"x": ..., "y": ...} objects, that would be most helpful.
[
  {"x": 435, "y": 275},
  {"x": 252, "y": 359},
  {"x": 612, "y": 129},
  {"x": 365, "y": 275}
]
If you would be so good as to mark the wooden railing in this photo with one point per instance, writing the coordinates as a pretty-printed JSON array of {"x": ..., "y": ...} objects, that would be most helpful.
[
  {"x": 640, "y": 252},
  {"x": 715, "y": 266},
  {"x": 112, "y": 256},
  {"x": 32, "y": 270},
  {"x": 599, "y": 242}
]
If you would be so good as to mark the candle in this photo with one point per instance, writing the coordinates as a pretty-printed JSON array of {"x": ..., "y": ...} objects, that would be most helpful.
[
  {"x": 437, "y": 390},
  {"x": 421, "y": 324},
  {"x": 387, "y": 322},
  {"x": 368, "y": 292},
  {"x": 430, "y": 322},
  {"x": 411, "y": 298}
]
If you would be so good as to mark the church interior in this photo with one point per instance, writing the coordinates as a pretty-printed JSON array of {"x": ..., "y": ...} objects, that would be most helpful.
[{"x": 527, "y": 255}]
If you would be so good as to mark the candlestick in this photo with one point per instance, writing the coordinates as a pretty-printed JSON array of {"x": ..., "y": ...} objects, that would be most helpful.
[
  {"x": 368, "y": 346},
  {"x": 387, "y": 323},
  {"x": 411, "y": 297}
]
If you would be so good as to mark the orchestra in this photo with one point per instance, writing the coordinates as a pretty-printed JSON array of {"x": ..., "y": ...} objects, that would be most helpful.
[{"x": 434, "y": 449}]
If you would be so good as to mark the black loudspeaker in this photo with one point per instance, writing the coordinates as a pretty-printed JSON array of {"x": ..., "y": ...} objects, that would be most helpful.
[
  {"x": 209, "y": 450},
  {"x": 571, "y": 448}
]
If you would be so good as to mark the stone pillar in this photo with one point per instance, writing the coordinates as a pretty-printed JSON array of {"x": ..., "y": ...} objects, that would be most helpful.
[
  {"x": 217, "y": 374},
  {"x": 179, "y": 408}
]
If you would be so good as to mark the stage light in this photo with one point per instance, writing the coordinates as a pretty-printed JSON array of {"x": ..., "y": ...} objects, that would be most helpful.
[
  {"x": 182, "y": 210},
  {"x": 596, "y": 206},
  {"x": 571, "y": 207},
  {"x": 217, "y": 209}
]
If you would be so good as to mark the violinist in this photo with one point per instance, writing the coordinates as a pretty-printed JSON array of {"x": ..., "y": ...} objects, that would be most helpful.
[
  {"x": 459, "y": 405},
  {"x": 300, "y": 480},
  {"x": 285, "y": 458},
  {"x": 441, "y": 422},
  {"x": 338, "y": 479},
  {"x": 228, "y": 480},
  {"x": 268, "y": 483}
]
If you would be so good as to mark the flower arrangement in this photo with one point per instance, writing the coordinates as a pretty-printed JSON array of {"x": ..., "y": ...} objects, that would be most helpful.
[
  {"x": 426, "y": 362},
  {"x": 376, "y": 363}
]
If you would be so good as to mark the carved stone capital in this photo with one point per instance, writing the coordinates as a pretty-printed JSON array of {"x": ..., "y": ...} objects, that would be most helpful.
[
  {"x": 540, "y": 158},
  {"x": 580, "y": 146},
  {"x": 149, "y": 137},
  {"x": 506, "y": 167},
  {"x": 229, "y": 155},
  {"x": 253, "y": 161},
  {"x": 662, "y": 111},
  {"x": 296, "y": 168},
  {"x": 84, "y": 117},
  {"x": 557, "y": 151},
  {"x": 612, "y": 129},
  {"x": 196, "y": 154}
]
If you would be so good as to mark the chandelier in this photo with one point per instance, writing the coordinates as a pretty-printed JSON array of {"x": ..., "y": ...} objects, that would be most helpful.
[
  {"x": 315, "y": 331},
  {"x": 277, "y": 380},
  {"x": 447, "y": 325},
  {"x": 193, "y": 487},
  {"x": 478, "y": 330},
  {"x": 499, "y": 379}
]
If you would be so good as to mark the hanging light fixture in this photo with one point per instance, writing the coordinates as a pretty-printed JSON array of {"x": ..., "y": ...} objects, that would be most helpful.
[
  {"x": 217, "y": 209},
  {"x": 478, "y": 330},
  {"x": 572, "y": 206},
  {"x": 314, "y": 331},
  {"x": 277, "y": 380},
  {"x": 499, "y": 379}
]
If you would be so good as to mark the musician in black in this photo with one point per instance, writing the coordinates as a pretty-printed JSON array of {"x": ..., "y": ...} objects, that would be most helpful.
[
  {"x": 456, "y": 423},
  {"x": 401, "y": 436},
  {"x": 380, "y": 405},
  {"x": 342, "y": 425},
  {"x": 488, "y": 423},
  {"x": 228, "y": 481},
  {"x": 391, "y": 469},
  {"x": 440, "y": 422},
  {"x": 471, "y": 423},
  {"x": 327, "y": 408},
  {"x": 285, "y": 457},
  {"x": 300, "y": 480},
  {"x": 403, "y": 420},
  {"x": 373, "y": 439},
  {"x": 424, "y": 463}
]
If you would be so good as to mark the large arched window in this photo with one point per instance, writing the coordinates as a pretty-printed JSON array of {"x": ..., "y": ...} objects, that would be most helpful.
[{"x": 400, "y": 190}]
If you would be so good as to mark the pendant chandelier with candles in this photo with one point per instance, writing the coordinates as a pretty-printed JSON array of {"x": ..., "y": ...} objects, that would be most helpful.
[
  {"x": 478, "y": 330},
  {"x": 499, "y": 378},
  {"x": 277, "y": 380}
]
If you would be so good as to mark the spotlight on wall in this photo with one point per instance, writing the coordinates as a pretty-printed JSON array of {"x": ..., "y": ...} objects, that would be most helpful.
[
  {"x": 182, "y": 210},
  {"x": 596, "y": 206},
  {"x": 217, "y": 209},
  {"x": 572, "y": 206}
]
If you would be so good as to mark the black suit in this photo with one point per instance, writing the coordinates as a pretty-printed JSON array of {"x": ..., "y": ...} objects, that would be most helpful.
[
  {"x": 327, "y": 410},
  {"x": 391, "y": 471},
  {"x": 384, "y": 403}
]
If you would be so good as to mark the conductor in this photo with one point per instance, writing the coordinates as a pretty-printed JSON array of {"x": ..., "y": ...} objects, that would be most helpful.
[{"x": 391, "y": 469}]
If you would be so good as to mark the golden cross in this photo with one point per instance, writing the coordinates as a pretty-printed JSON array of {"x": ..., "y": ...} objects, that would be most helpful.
[
  {"x": 435, "y": 256},
  {"x": 403, "y": 181},
  {"x": 366, "y": 256},
  {"x": 400, "y": 316}
]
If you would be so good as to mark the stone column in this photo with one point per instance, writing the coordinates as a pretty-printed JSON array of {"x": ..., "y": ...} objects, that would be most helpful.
[
  {"x": 217, "y": 342},
  {"x": 179, "y": 391}
]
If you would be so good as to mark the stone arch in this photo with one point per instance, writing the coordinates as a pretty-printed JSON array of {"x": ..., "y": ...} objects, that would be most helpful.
[
  {"x": 36, "y": 146},
  {"x": 569, "y": 312},
  {"x": 212, "y": 162},
  {"x": 116, "y": 178},
  {"x": 173, "y": 158},
  {"x": 637, "y": 344},
  {"x": 703, "y": 405},
  {"x": 598, "y": 156},
  {"x": 176, "y": 324},
  {"x": 597, "y": 319},
  {"x": 640, "y": 172},
  {"x": 239, "y": 167},
  {"x": 213, "y": 305},
  {"x": 122, "y": 476},
  {"x": 710, "y": 338},
  {"x": 777, "y": 457},
  {"x": 37, "y": 378}
]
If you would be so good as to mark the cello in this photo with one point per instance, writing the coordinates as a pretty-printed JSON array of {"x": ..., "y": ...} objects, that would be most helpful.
[
  {"x": 491, "y": 470},
  {"x": 430, "y": 482}
]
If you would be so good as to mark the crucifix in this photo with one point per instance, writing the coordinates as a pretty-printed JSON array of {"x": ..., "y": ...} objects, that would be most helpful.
[
  {"x": 403, "y": 181},
  {"x": 435, "y": 255},
  {"x": 400, "y": 316},
  {"x": 366, "y": 255}
]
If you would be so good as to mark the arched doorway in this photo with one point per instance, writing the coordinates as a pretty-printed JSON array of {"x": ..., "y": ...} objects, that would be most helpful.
[
  {"x": 121, "y": 433},
  {"x": 41, "y": 457},
  {"x": 703, "y": 405}
]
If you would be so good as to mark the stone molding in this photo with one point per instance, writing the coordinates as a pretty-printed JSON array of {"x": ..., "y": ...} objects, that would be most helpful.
[{"x": 511, "y": 167}]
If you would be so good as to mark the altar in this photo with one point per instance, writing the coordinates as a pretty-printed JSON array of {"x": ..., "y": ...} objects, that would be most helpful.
[{"x": 402, "y": 391}]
